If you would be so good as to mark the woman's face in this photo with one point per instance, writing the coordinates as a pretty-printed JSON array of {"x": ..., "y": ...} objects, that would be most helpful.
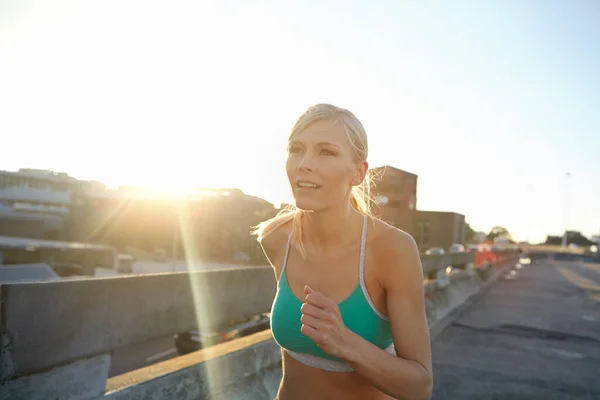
[{"x": 321, "y": 167}]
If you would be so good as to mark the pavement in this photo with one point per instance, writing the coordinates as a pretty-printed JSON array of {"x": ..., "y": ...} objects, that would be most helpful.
[
  {"x": 533, "y": 336},
  {"x": 143, "y": 354}
]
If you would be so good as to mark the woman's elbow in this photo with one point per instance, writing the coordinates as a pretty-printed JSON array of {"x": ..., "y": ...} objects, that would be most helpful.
[
  {"x": 426, "y": 386},
  {"x": 422, "y": 389}
]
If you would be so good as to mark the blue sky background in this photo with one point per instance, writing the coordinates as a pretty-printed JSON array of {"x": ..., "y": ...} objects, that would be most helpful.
[{"x": 490, "y": 103}]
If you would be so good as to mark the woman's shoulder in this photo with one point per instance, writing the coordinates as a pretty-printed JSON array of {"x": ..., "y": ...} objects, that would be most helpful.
[
  {"x": 395, "y": 258},
  {"x": 387, "y": 241},
  {"x": 274, "y": 241}
]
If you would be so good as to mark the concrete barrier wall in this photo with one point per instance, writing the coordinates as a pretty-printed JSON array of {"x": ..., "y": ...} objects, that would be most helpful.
[
  {"x": 434, "y": 263},
  {"x": 246, "y": 368},
  {"x": 443, "y": 297},
  {"x": 252, "y": 371},
  {"x": 51, "y": 326},
  {"x": 27, "y": 273}
]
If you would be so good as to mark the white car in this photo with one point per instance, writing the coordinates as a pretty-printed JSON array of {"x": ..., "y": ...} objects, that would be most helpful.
[
  {"x": 457, "y": 248},
  {"x": 125, "y": 263},
  {"x": 437, "y": 251}
]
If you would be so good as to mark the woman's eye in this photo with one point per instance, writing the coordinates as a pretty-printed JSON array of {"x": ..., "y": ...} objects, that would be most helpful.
[
  {"x": 327, "y": 152},
  {"x": 294, "y": 150}
]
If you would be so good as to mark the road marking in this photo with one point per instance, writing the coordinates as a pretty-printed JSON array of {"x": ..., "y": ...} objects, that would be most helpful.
[{"x": 160, "y": 355}]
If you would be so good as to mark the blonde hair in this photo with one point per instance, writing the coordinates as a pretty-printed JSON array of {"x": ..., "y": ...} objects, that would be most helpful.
[{"x": 360, "y": 197}]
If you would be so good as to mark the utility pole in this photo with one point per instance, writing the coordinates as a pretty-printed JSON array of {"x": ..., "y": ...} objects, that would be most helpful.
[{"x": 565, "y": 210}]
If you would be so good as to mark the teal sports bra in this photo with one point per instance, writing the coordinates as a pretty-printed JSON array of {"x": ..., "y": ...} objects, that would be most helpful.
[{"x": 358, "y": 313}]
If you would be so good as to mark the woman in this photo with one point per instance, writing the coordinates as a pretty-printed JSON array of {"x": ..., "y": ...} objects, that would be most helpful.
[{"x": 349, "y": 313}]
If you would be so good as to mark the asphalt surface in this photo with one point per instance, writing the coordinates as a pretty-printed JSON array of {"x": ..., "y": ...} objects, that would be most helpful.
[
  {"x": 142, "y": 354},
  {"x": 536, "y": 336}
]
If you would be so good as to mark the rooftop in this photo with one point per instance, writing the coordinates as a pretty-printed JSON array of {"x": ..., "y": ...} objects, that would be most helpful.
[
  {"x": 389, "y": 167},
  {"x": 10, "y": 242}
]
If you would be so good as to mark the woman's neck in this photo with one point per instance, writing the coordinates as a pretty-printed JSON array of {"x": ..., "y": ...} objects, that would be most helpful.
[{"x": 331, "y": 228}]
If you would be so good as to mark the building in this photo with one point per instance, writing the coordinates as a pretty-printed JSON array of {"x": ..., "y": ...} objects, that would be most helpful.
[
  {"x": 34, "y": 203},
  {"x": 210, "y": 224},
  {"x": 438, "y": 229},
  {"x": 32, "y": 212},
  {"x": 395, "y": 193},
  {"x": 49, "y": 180}
]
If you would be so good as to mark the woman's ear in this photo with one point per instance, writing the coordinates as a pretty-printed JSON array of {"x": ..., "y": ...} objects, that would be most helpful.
[{"x": 362, "y": 169}]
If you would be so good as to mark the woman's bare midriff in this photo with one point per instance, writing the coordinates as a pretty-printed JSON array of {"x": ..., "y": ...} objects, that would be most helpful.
[{"x": 301, "y": 382}]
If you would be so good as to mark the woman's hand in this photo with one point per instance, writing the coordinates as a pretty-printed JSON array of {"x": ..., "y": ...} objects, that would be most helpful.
[{"x": 322, "y": 322}]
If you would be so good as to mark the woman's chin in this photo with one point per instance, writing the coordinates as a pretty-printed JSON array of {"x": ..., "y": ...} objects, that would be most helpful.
[{"x": 306, "y": 205}]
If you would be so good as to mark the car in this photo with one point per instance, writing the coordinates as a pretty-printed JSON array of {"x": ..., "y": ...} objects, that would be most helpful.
[
  {"x": 498, "y": 247},
  {"x": 435, "y": 251},
  {"x": 483, "y": 254},
  {"x": 194, "y": 340},
  {"x": 125, "y": 263},
  {"x": 456, "y": 248}
]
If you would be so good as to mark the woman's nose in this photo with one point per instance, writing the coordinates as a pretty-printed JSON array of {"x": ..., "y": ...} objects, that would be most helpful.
[{"x": 307, "y": 163}]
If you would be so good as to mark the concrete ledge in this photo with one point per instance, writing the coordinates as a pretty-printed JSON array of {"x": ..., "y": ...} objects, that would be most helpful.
[
  {"x": 160, "y": 369},
  {"x": 26, "y": 273},
  {"x": 433, "y": 263},
  {"x": 439, "y": 325},
  {"x": 83, "y": 379},
  {"x": 245, "y": 368},
  {"x": 47, "y": 324},
  {"x": 458, "y": 276},
  {"x": 484, "y": 271},
  {"x": 429, "y": 286}
]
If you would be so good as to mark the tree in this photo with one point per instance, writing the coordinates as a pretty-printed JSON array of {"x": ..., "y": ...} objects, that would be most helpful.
[
  {"x": 573, "y": 237},
  {"x": 469, "y": 233},
  {"x": 499, "y": 234}
]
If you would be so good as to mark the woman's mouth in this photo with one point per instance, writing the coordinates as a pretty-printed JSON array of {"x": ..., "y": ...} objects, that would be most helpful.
[{"x": 301, "y": 184}]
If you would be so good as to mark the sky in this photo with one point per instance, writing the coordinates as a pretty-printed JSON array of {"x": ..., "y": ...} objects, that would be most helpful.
[{"x": 490, "y": 103}]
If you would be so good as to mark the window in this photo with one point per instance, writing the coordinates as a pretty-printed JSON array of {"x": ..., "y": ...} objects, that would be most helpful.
[{"x": 422, "y": 232}]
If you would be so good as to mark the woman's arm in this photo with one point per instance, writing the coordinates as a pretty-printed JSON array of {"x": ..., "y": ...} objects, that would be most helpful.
[{"x": 407, "y": 375}]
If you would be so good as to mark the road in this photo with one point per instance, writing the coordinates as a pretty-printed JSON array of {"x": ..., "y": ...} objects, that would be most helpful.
[
  {"x": 143, "y": 354},
  {"x": 533, "y": 337}
]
